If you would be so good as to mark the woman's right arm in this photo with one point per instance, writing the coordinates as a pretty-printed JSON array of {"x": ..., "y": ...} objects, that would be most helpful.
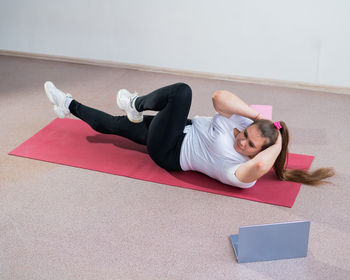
[{"x": 226, "y": 103}]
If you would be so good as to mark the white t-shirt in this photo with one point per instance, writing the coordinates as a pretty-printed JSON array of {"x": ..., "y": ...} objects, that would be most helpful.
[{"x": 208, "y": 148}]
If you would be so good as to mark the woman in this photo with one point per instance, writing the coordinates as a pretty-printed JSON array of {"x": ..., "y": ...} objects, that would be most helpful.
[{"x": 236, "y": 146}]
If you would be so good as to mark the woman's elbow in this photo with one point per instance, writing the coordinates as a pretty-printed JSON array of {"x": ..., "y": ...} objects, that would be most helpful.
[
  {"x": 215, "y": 98},
  {"x": 219, "y": 100},
  {"x": 216, "y": 94},
  {"x": 220, "y": 95},
  {"x": 262, "y": 168}
]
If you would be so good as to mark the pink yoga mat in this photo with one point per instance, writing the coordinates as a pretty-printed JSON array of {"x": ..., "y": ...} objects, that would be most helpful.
[{"x": 72, "y": 142}]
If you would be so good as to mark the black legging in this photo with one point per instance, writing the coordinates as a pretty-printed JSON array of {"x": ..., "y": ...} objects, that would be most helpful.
[{"x": 163, "y": 133}]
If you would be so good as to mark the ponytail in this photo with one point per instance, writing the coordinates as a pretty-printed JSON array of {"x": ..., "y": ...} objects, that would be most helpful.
[{"x": 313, "y": 178}]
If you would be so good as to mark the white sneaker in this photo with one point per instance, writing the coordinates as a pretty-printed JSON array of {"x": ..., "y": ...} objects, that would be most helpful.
[
  {"x": 126, "y": 102},
  {"x": 58, "y": 99}
]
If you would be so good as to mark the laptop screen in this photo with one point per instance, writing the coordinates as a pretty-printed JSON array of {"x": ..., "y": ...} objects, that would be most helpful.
[{"x": 273, "y": 241}]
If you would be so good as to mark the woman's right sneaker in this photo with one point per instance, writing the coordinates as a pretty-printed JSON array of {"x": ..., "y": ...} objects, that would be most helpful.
[
  {"x": 126, "y": 102},
  {"x": 58, "y": 99}
]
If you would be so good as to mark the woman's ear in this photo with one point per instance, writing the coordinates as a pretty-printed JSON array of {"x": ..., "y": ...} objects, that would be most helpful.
[{"x": 236, "y": 132}]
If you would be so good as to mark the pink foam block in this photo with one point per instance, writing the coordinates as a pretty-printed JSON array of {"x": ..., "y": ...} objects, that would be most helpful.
[
  {"x": 264, "y": 110},
  {"x": 72, "y": 142}
]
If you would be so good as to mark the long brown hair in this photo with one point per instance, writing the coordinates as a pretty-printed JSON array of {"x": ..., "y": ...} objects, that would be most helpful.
[{"x": 316, "y": 177}]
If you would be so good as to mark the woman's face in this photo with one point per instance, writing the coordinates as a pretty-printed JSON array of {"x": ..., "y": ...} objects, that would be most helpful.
[{"x": 249, "y": 142}]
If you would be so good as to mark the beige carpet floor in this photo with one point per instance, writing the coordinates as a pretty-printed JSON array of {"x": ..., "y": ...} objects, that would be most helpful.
[{"x": 59, "y": 222}]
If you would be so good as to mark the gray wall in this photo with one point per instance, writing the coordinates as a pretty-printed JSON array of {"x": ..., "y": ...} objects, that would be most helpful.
[{"x": 299, "y": 40}]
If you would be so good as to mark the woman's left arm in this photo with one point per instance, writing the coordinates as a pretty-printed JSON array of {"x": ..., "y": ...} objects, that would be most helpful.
[
  {"x": 226, "y": 103},
  {"x": 261, "y": 164}
]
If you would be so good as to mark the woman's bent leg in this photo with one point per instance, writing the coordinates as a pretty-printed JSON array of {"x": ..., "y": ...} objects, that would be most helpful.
[
  {"x": 165, "y": 132},
  {"x": 108, "y": 124}
]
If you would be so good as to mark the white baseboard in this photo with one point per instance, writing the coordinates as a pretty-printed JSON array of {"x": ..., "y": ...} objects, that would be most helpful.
[{"x": 260, "y": 81}]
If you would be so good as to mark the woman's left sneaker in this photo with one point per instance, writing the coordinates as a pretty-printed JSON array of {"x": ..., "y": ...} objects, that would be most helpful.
[
  {"x": 58, "y": 99},
  {"x": 126, "y": 102}
]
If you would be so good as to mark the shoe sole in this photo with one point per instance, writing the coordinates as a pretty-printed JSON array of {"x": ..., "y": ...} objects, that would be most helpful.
[
  {"x": 47, "y": 91},
  {"x": 134, "y": 121},
  {"x": 118, "y": 103}
]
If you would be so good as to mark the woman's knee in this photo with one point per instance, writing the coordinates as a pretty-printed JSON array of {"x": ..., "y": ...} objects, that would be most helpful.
[
  {"x": 183, "y": 92},
  {"x": 185, "y": 88}
]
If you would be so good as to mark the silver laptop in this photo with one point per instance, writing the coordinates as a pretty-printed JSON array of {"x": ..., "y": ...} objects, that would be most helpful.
[{"x": 271, "y": 241}]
